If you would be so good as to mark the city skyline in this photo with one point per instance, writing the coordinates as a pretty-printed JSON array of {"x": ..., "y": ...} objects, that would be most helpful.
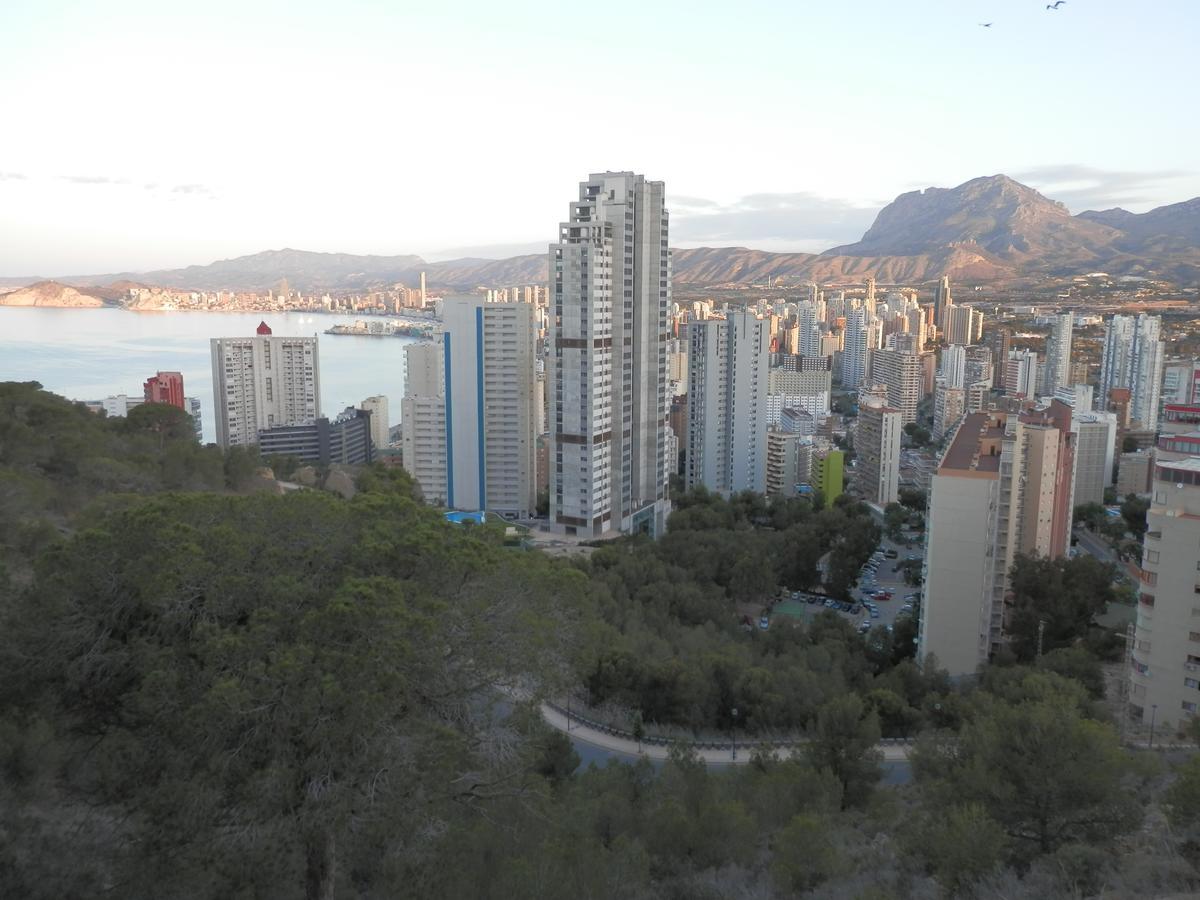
[{"x": 206, "y": 130}]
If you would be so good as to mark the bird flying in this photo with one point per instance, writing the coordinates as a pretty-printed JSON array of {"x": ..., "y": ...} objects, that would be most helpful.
[
  {"x": 1056, "y": 4},
  {"x": 986, "y": 24}
]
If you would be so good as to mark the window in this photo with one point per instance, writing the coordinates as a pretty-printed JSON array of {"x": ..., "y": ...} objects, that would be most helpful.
[
  {"x": 1191, "y": 682},
  {"x": 1151, "y": 556}
]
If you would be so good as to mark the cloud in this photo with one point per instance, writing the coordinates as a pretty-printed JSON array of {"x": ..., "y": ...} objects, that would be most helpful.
[
  {"x": 796, "y": 221},
  {"x": 200, "y": 189},
  {"x": 486, "y": 251},
  {"x": 1087, "y": 187},
  {"x": 92, "y": 179},
  {"x": 11, "y": 176},
  {"x": 679, "y": 201}
]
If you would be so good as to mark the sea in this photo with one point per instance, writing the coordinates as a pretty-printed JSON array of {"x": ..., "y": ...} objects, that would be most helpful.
[{"x": 90, "y": 354}]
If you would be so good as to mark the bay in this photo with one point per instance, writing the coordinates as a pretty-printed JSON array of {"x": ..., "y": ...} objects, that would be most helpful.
[{"x": 89, "y": 354}]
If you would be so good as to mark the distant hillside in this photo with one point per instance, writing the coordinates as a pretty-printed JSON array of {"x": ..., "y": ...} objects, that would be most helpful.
[
  {"x": 51, "y": 293},
  {"x": 986, "y": 230}
]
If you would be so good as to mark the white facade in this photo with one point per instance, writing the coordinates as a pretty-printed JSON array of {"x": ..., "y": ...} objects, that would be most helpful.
[
  {"x": 1021, "y": 373},
  {"x": 473, "y": 443},
  {"x": 727, "y": 403},
  {"x": 1095, "y": 451},
  {"x": 610, "y": 297},
  {"x": 377, "y": 406},
  {"x": 1133, "y": 358},
  {"x": 855, "y": 349},
  {"x": 954, "y": 366},
  {"x": 1181, "y": 382},
  {"x": 955, "y": 624},
  {"x": 1057, "y": 372},
  {"x": 261, "y": 382},
  {"x": 423, "y": 419}
]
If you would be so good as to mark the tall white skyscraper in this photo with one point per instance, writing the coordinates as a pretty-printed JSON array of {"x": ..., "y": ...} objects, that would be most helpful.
[
  {"x": 261, "y": 382},
  {"x": 610, "y": 293},
  {"x": 1057, "y": 372},
  {"x": 1020, "y": 373},
  {"x": 1133, "y": 358},
  {"x": 472, "y": 429},
  {"x": 855, "y": 351},
  {"x": 954, "y": 366},
  {"x": 727, "y": 403}
]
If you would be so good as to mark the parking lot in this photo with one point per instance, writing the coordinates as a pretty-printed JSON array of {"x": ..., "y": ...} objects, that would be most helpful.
[
  {"x": 884, "y": 574},
  {"x": 881, "y": 574}
]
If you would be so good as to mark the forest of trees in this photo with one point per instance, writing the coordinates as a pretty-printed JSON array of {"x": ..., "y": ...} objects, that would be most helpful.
[{"x": 211, "y": 690}]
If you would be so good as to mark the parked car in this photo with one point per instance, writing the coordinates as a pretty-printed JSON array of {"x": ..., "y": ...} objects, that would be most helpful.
[
  {"x": 891, "y": 554},
  {"x": 874, "y": 613},
  {"x": 764, "y": 623},
  {"x": 864, "y": 627}
]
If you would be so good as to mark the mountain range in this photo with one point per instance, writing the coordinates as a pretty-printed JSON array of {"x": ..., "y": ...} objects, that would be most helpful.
[{"x": 990, "y": 229}]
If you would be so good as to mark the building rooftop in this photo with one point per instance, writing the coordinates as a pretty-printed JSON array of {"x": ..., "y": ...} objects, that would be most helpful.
[{"x": 976, "y": 445}]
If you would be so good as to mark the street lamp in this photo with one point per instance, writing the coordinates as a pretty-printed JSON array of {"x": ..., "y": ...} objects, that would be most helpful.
[
  {"x": 733, "y": 732},
  {"x": 1153, "y": 715}
]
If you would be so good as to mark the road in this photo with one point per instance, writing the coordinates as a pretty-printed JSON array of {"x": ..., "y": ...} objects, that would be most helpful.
[
  {"x": 1095, "y": 545},
  {"x": 629, "y": 750}
]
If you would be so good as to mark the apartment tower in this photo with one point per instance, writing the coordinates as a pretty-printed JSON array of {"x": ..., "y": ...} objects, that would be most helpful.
[
  {"x": 610, "y": 283},
  {"x": 727, "y": 403},
  {"x": 261, "y": 382},
  {"x": 1003, "y": 487},
  {"x": 877, "y": 442},
  {"x": 1165, "y": 669},
  {"x": 1133, "y": 358},
  {"x": 1057, "y": 372}
]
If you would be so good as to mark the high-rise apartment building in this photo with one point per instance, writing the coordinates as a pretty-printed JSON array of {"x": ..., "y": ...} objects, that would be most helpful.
[
  {"x": 949, "y": 405},
  {"x": 472, "y": 431},
  {"x": 423, "y": 419},
  {"x": 1181, "y": 381},
  {"x": 999, "y": 342},
  {"x": 789, "y": 462},
  {"x": 855, "y": 349},
  {"x": 1021, "y": 373},
  {"x": 962, "y": 325},
  {"x": 953, "y": 370},
  {"x": 727, "y": 404},
  {"x": 610, "y": 286},
  {"x": 1133, "y": 358},
  {"x": 1003, "y": 487},
  {"x": 1057, "y": 372},
  {"x": 877, "y": 442},
  {"x": 1095, "y": 454},
  {"x": 377, "y": 406},
  {"x": 942, "y": 301},
  {"x": 262, "y": 382},
  {"x": 165, "y": 387},
  {"x": 1165, "y": 674},
  {"x": 903, "y": 374}
]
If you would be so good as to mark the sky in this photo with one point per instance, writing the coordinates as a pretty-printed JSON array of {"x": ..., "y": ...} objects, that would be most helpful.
[{"x": 137, "y": 135}]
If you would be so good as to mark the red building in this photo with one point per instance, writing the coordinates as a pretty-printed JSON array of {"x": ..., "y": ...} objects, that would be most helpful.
[
  {"x": 165, "y": 387},
  {"x": 263, "y": 328}
]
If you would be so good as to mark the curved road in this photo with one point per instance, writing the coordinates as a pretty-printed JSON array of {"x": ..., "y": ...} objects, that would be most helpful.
[{"x": 599, "y": 746}]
